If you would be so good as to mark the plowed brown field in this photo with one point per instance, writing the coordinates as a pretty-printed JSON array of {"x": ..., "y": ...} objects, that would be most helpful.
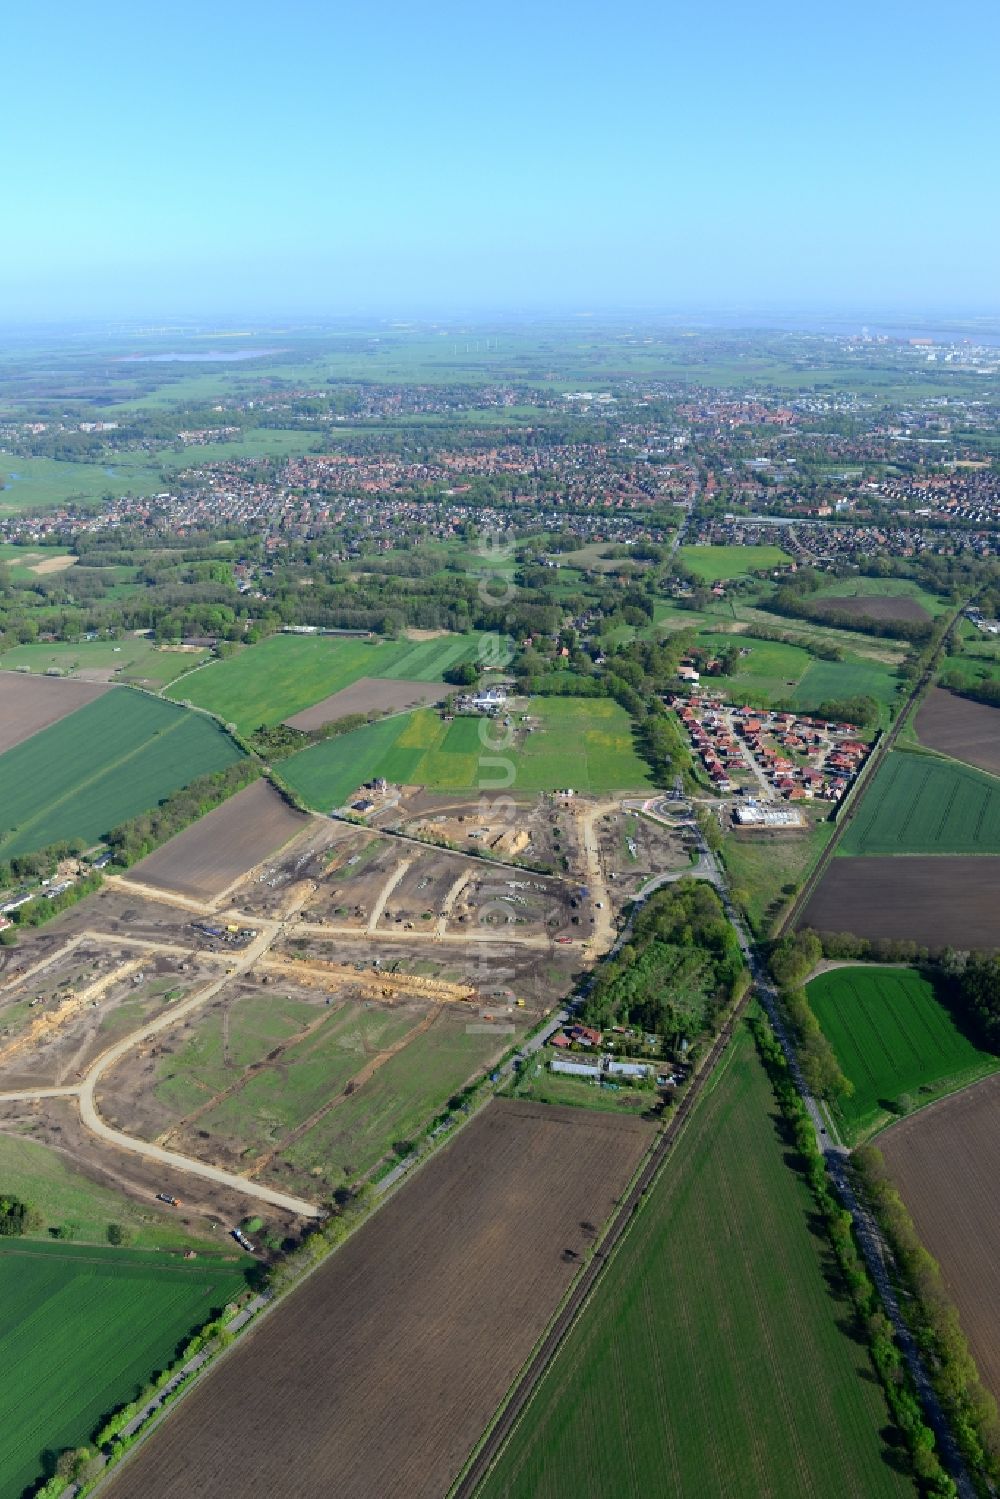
[
  {"x": 28, "y": 704},
  {"x": 369, "y": 695},
  {"x": 946, "y": 1163},
  {"x": 379, "y": 1374},
  {"x": 936, "y": 901},
  {"x": 959, "y": 727},
  {"x": 208, "y": 856},
  {"x": 875, "y": 606}
]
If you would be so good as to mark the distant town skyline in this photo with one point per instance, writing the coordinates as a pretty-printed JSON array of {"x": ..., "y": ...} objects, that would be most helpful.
[{"x": 240, "y": 161}]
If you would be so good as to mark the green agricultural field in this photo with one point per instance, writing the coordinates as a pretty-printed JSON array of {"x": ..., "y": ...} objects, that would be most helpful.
[
  {"x": 894, "y": 1040},
  {"x": 833, "y": 681},
  {"x": 713, "y": 1357},
  {"x": 583, "y": 742},
  {"x": 271, "y": 681},
  {"x": 428, "y": 660},
  {"x": 715, "y": 564},
  {"x": 266, "y": 683},
  {"x": 80, "y": 1208},
  {"x": 83, "y": 1329},
  {"x": 132, "y": 659},
  {"x": 586, "y": 743},
  {"x": 324, "y": 775},
  {"x": 924, "y": 804},
  {"x": 110, "y": 760}
]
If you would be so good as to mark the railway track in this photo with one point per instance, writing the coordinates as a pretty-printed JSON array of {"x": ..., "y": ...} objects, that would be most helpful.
[{"x": 530, "y": 1376}]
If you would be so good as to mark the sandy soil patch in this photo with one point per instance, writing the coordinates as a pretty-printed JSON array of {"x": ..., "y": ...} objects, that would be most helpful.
[{"x": 53, "y": 565}]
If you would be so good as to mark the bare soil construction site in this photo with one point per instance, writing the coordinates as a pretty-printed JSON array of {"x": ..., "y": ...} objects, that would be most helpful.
[
  {"x": 421, "y": 1355},
  {"x": 272, "y": 1006},
  {"x": 539, "y": 831},
  {"x": 29, "y": 703}
]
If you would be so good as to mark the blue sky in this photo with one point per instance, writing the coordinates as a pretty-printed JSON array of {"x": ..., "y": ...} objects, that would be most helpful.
[{"x": 322, "y": 158}]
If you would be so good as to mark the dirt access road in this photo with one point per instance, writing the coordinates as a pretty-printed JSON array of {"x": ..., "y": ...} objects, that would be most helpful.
[
  {"x": 84, "y": 1091},
  {"x": 603, "y": 935}
]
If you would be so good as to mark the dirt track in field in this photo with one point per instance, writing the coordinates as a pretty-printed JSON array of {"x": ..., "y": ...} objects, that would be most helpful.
[
  {"x": 28, "y": 703},
  {"x": 937, "y": 901},
  {"x": 379, "y": 1374},
  {"x": 205, "y": 859},
  {"x": 959, "y": 727},
  {"x": 875, "y": 606},
  {"x": 368, "y": 695},
  {"x": 946, "y": 1163}
]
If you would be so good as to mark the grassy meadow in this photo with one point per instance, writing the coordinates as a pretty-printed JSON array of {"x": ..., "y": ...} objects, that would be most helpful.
[
  {"x": 79, "y": 1207},
  {"x": 134, "y": 658},
  {"x": 716, "y": 564}
]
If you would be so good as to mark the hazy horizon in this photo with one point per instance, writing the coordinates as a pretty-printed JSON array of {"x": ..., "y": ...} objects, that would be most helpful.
[{"x": 234, "y": 158}]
